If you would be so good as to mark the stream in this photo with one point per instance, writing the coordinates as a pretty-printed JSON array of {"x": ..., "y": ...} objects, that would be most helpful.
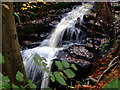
[{"x": 58, "y": 44}]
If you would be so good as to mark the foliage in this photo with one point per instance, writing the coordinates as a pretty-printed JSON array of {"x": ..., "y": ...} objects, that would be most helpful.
[
  {"x": 1, "y": 59},
  {"x": 5, "y": 81},
  {"x": 31, "y": 84},
  {"x": 59, "y": 78},
  {"x": 6, "y": 84},
  {"x": 19, "y": 76},
  {"x": 113, "y": 84},
  {"x": 29, "y": 11},
  {"x": 60, "y": 5},
  {"x": 64, "y": 69}
]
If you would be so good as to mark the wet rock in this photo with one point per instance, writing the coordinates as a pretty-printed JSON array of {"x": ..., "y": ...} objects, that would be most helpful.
[
  {"x": 77, "y": 53},
  {"x": 54, "y": 23},
  {"x": 80, "y": 52},
  {"x": 43, "y": 35},
  {"x": 29, "y": 44},
  {"x": 84, "y": 69}
]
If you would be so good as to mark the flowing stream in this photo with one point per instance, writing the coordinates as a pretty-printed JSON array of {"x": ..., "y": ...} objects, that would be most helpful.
[{"x": 49, "y": 47}]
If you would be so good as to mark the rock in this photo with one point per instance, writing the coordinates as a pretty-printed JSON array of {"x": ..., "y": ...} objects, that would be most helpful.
[
  {"x": 43, "y": 36},
  {"x": 29, "y": 44},
  {"x": 84, "y": 69},
  {"x": 79, "y": 52}
]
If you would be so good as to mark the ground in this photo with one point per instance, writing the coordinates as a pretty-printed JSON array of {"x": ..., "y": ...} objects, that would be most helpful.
[{"x": 102, "y": 65}]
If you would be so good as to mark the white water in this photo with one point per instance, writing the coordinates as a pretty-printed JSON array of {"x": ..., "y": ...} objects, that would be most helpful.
[{"x": 49, "y": 49}]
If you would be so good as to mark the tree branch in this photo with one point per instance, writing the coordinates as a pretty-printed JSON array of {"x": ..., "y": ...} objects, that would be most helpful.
[{"x": 111, "y": 64}]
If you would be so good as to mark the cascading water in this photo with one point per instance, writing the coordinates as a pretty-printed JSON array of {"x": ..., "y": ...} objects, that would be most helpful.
[
  {"x": 67, "y": 24},
  {"x": 49, "y": 49}
]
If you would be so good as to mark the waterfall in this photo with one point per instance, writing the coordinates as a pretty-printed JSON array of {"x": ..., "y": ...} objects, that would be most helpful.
[
  {"x": 49, "y": 49},
  {"x": 68, "y": 24}
]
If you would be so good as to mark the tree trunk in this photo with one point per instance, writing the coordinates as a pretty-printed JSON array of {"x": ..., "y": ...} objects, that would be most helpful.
[
  {"x": 107, "y": 17},
  {"x": 11, "y": 49}
]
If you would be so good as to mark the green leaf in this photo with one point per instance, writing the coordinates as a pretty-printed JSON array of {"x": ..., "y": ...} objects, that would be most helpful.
[
  {"x": 112, "y": 49},
  {"x": 14, "y": 86},
  {"x": 113, "y": 84},
  {"x": 38, "y": 57},
  {"x": 19, "y": 76},
  {"x": 31, "y": 84},
  {"x": 6, "y": 85},
  {"x": 106, "y": 44},
  {"x": 63, "y": 75},
  {"x": 65, "y": 63},
  {"x": 48, "y": 71},
  {"x": 73, "y": 66},
  {"x": 59, "y": 78},
  {"x": 1, "y": 59},
  {"x": 5, "y": 79},
  {"x": 69, "y": 73},
  {"x": 52, "y": 78},
  {"x": 44, "y": 64},
  {"x": 48, "y": 88},
  {"x": 0, "y": 81},
  {"x": 44, "y": 59},
  {"x": 36, "y": 61},
  {"x": 22, "y": 87},
  {"x": 59, "y": 65}
]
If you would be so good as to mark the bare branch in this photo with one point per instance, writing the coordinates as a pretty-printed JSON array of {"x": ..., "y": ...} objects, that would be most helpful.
[{"x": 111, "y": 64}]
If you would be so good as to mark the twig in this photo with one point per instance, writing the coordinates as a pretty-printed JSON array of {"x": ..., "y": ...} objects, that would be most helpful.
[
  {"x": 41, "y": 80},
  {"x": 36, "y": 82},
  {"x": 111, "y": 64}
]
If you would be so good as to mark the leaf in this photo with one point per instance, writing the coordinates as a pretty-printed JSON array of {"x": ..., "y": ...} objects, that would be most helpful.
[
  {"x": 44, "y": 59},
  {"x": 48, "y": 71},
  {"x": 5, "y": 81},
  {"x": 44, "y": 64},
  {"x": 14, "y": 86},
  {"x": 63, "y": 75},
  {"x": 52, "y": 78},
  {"x": 65, "y": 63},
  {"x": 1, "y": 59},
  {"x": 59, "y": 78},
  {"x": 74, "y": 67},
  {"x": 19, "y": 76},
  {"x": 106, "y": 44},
  {"x": 113, "y": 84},
  {"x": 36, "y": 61},
  {"x": 31, "y": 84},
  {"x": 69, "y": 73},
  {"x": 6, "y": 85},
  {"x": 112, "y": 49},
  {"x": 0, "y": 81},
  {"x": 38, "y": 57},
  {"x": 48, "y": 88},
  {"x": 6, "y": 6},
  {"x": 22, "y": 87},
  {"x": 59, "y": 65}
]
